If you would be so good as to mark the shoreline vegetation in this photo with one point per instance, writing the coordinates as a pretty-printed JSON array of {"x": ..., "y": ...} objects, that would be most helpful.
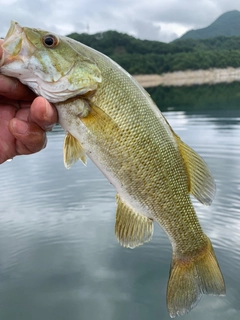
[
  {"x": 189, "y": 77},
  {"x": 178, "y": 63},
  {"x": 144, "y": 57}
]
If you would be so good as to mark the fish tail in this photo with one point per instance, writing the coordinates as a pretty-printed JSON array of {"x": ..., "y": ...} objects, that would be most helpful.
[{"x": 190, "y": 277}]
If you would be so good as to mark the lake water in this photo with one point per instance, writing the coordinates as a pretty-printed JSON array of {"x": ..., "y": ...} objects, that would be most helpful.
[{"x": 59, "y": 258}]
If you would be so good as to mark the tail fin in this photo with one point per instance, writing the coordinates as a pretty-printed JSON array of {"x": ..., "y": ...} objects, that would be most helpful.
[{"x": 191, "y": 277}]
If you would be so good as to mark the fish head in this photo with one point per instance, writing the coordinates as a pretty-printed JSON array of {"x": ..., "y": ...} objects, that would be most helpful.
[{"x": 48, "y": 63}]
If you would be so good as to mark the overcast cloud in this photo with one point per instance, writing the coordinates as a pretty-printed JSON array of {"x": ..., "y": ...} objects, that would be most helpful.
[{"x": 162, "y": 20}]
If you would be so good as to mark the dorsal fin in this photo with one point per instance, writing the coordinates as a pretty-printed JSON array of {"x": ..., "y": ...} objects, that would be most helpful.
[
  {"x": 131, "y": 229},
  {"x": 202, "y": 184}
]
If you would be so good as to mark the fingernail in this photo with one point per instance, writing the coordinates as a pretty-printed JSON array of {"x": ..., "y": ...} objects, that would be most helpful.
[
  {"x": 49, "y": 110},
  {"x": 19, "y": 126}
]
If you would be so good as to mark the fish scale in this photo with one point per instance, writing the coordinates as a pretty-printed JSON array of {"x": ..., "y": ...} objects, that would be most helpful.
[{"x": 111, "y": 119}]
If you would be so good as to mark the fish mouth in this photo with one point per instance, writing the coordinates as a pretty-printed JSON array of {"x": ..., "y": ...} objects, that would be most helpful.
[{"x": 12, "y": 46}]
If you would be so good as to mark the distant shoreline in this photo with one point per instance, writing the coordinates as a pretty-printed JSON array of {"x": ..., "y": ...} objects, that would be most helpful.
[{"x": 189, "y": 77}]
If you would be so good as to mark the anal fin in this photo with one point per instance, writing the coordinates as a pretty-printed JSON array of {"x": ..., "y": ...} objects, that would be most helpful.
[
  {"x": 72, "y": 151},
  {"x": 131, "y": 229}
]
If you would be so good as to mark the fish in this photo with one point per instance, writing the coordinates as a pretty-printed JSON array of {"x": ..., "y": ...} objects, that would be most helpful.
[{"x": 109, "y": 118}]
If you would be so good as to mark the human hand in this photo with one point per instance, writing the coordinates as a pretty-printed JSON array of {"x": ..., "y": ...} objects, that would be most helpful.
[{"x": 24, "y": 119}]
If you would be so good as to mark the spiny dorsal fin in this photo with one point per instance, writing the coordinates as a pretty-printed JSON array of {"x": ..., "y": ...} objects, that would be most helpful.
[
  {"x": 202, "y": 184},
  {"x": 72, "y": 151},
  {"x": 131, "y": 229}
]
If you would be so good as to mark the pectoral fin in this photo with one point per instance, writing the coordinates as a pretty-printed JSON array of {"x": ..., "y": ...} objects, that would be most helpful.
[
  {"x": 99, "y": 122},
  {"x": 72, "y": 151},
  {"x": 202, "y": 185},
  {"x": 131, "y": 229}
]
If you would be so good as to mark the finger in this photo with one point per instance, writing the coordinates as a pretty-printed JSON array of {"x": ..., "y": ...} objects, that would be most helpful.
[
  {"x": 30, "y": 138},
  {"x": 43, "y": 113},
  {"x": 13, "y": 89},
  {"x": 7, "y": 140},
  {"x": 23, "y": 114},
  {"x": 7, "y": 152},
  {"x": 7, "y": 147},
  {"x": 4, "y": 101}
]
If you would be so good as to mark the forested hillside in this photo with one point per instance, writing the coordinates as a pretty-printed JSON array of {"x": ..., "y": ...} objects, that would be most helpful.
[{"x": 147, "y": 57}]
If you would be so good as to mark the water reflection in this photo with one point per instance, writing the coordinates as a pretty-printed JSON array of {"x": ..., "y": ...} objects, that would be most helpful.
[
  {"x": 58, "y": 255},
  {"x": 225, "y": 98}
]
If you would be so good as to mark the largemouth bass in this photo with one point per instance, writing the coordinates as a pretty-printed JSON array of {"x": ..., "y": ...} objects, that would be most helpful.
[{"x": 111, "y": 119}]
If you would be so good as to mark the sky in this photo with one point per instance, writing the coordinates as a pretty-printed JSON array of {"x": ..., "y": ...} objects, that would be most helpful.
[{"x": 161, "y": 20}]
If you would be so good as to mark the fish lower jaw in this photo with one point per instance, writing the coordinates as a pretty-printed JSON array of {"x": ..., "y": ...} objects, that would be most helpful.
[{"x": 10, "y": 66}]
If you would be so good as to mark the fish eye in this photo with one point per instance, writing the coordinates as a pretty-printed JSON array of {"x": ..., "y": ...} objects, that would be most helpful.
[{"x": 50, "y": 41}]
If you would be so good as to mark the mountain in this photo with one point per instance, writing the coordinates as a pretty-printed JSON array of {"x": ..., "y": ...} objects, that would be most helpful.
[
  {"x": 227, "y": 25},
  {"x": 113, "y": 42},
  {"x": 154, "y": 57}
]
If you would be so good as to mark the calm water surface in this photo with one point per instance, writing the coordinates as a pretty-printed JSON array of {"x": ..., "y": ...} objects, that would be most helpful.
[{"x": 59, "y": 258}]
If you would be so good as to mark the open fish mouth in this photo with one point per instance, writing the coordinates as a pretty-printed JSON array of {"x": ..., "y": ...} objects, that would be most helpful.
[
  {"x": 16, "y": 45},
  {"x": 15, "y": 28}
]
